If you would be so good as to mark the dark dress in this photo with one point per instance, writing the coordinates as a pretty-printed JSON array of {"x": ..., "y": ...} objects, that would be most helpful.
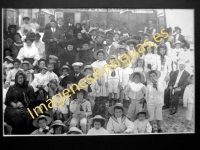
[
  {"x": 67, "y": 56},
  {"x": 21, "y": 124},
  {"x": 85, "y": 56}
]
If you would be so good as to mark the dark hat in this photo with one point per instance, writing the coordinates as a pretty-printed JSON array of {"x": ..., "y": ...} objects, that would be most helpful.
[
  {"x": 100, "y": 34},
  {"x": 41, "y": 60},
  {"x": 16, "y": 60},
  {"x": 18, "y": 35},
  {"x": 70, "y": 43},
  {"x": 122, "y": 41},
  {"x": 169, "y": 30},
  {"x": 161, "y": 36},
  {"x": 110, "y": 33},
  {"x": 132, "y": 41},
  {"x": 12, "y": 26},
  {"x": 177, "y": 27},
  {"x": 37, "y": 35},
  {"x": 162, "y": 46},
  {"x": 30, "y": 36},
  {"x": 86, "y": 42},
  {"x": 65, "y": 67},
  {"x": 185, "y": 44},
  {"x": 51, "y": 15},
  {"x": 26, "y": 18},
  {"x": 7, "y": 49}
]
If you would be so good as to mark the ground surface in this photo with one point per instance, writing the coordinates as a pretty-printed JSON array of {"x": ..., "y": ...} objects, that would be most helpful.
[{"x": 175, "y": 123}]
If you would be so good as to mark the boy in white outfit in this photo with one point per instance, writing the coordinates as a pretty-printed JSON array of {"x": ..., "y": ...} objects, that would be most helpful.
[
  {"x": 113, "y": 80},
  {"x": 154, "y": 98},
  {"x": 188, "y": 101},
  {"x": 118, "y": 122}
]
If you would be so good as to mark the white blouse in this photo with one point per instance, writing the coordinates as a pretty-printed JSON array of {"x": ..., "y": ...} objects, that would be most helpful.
[
  {"x": 40, "y": 79},
  {"x": 28, "y": 52}
]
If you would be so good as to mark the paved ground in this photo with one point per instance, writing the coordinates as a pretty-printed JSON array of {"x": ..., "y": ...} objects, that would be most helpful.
[{"x": 175, "y": 123}]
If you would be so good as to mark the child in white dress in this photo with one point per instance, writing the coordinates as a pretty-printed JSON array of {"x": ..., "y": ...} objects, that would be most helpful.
[
  {"x": 136, "y": 92},
  {"x": 60, "y": 105},
  {"x": 142, "y": 125},
  {"x": 188, "y": 101},
  {"x": 98, "y": 124}
]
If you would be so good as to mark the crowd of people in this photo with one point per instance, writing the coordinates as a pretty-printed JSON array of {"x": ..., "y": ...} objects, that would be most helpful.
[{"x": 127, "y": 100}]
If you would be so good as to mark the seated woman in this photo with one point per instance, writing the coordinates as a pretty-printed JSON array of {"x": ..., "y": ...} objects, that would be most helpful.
[
  {"x": 18, "y": 97},
  {"x": 40, "y": 84},
  {"x": 29, "y": 52},
  {"x": 58, "y": 128}
]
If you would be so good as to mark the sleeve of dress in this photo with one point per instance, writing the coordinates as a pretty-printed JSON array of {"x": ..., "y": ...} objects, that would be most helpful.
[
  {"x": 145, "y": 28},
  {"x": 149, "y": 127},
  {"x": 89, "y": 110},
  {"x": 169, "y": 65},
  {"x": 147, "y": 93},
  {"x": 154, "y": 31},
  {"x": 31, "y": 93},
  {"x": 9, "y": 96},
  {"x": 127, "y": 90},
  {"x": 159, "y": 64},
  {"x": 34, "y": 83},
  {"x": 20, "y": 55},
  {"x": 110, "y": 128},
  {"x": 8, "y": 77},
  {"x": 129, "y": 124},
  {"x": 36, "y": 57},
  {"x": 185, "y": 96}
]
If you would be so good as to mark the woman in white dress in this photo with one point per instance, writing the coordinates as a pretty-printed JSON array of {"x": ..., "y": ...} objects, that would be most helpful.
[
  {"x": 29, "y": 52},
  {"x": 164, "y": 64}
]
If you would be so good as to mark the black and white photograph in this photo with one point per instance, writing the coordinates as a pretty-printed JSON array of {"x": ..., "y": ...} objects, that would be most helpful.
[{"x": 97, "y": 71}]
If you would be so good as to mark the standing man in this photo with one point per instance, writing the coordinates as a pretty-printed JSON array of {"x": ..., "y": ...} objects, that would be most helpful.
[
  {"x": 178, "y": 36},
  {"x": 70, "y": 25},
  {"x": 51, "y": 18},
  {"x": 150, "y": 30},
  {"x": 53, "y": 39}
]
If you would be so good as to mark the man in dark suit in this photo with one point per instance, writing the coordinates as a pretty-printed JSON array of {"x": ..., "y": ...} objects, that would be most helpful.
[
  {"x": 51, "y": 18},
  {"x": 76, "y": 73},
  {"x": 53, "y": 39},
  {"x": 177, "y": 85},
  {"x": 69, "y": 26},
  {"x": 110, "y": 49},
  {"x": 178, "y": 36}
]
